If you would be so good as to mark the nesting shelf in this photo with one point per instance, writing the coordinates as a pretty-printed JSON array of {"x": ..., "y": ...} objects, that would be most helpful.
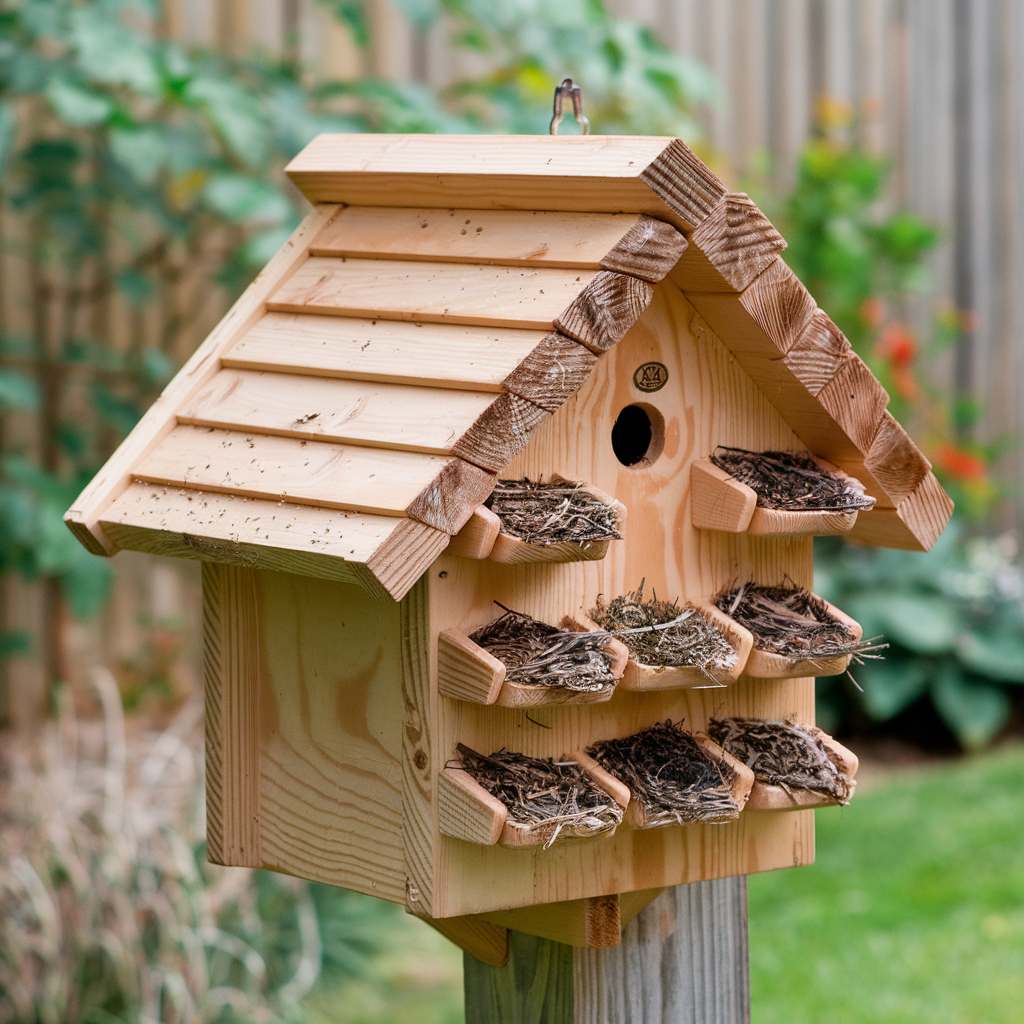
[
  {"x": 466, "y": 671},
  {"x": 720, "y": 502},
  {"x": 482, "y": 537},
  {"x": 640, "y": 677},
  {"x": 467, "y": 811},
  {"x": 765, "y": 797}
]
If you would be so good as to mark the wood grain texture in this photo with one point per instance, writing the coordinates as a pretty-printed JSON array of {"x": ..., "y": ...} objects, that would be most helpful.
[
  {"x": 420, "y": 750},
  {"x": 588, "y": 922},
  {"x": 370, "y": 414},
  {"x": 552, "y": 373},
  {"x": 717, "y": 500},
  {"x": 476, "y": 539},
  {"x": 915, "y": 525},
  {"x": 499, "y": 433},
  {"x": 531, "y": 238},
  {"x": 116, "y": 475},
  {"x": 450, "y": 499},
  {"x": 452, "y": 293},
  {"x": 331, "y": 734},
  {"x": 708, "y": 401},
  {"x": 682, "y": 961},
  {"x": 605, "y": 310},
  {"x": 894, "y": 460},
  {"x": 729, "y": 248},
  {"x": 772, "y": 522},
  {"x": 604, "y": 174},
  {"x": 439, "y": 355},
  {"x": 409, "y": 550},
  {"x": 515, "y": 551},
  {"x": 535, "y": 985},
  {"x": 465, "y": 810},
  {"x": 855, "y": 400},
  {"x": 648, "y": 250},
  {"x": 466, "y": 671},
  {"x": 371, "y": 480},
  {"x": 484, "y": 942},
  {"x": 779, "y": 304},
  {"x": 182, "y": 523},
  {"x": 818, "y": 353},
  {"x": 232, "y": 673}
]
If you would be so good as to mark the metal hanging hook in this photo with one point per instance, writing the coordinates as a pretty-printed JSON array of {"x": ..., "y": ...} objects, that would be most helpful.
[{"x": 573, "y": 91}]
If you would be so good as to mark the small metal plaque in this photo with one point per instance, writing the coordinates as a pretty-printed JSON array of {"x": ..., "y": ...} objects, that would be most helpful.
[{"x": 650, "y": 377}]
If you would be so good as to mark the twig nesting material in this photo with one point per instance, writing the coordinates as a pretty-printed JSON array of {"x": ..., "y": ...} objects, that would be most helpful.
[
  {"x": 784, "y": 754},
  {"x": 691, "y": 641},
  {"x": 792, "y": 622},
  {"x": 552, "y": 798},
  {"x": 553, "y": 512},
  {"x": 541, "y": 655},
  {"x": 665, "y": 769},
  {"x": 791, "y": 481}
]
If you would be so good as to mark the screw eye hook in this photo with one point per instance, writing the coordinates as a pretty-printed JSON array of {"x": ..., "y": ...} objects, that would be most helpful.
[{"x": 573, "y": 92}]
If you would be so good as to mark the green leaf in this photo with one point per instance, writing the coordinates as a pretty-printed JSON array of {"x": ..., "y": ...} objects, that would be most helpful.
[
  {"x": 18, "y": 391},
  {"x": 7, "y": 126},
  {"x": 422, "y": 13},
  {"x": 140, "y": 151},
  {"x": 236, "y": 115},
  {"x": 86, "y": 583},
  {"x": 156, "y": 366},
  {"x": 352, "y": 14},
  {"x": 245, "y": 200},
  {"x": 135, "y": 286},
  {"x": 75, "y": 105},
  {"x": 974, "y": 711},
  {"x": 892, "y": 685},
  {"x": 109, "y": 53},
  {"x": 993, "y": 655},
  {"x": 924, "y": 623}
]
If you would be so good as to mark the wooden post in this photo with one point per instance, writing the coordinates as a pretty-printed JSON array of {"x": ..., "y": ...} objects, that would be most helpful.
[{"x": 683, "y": 960}]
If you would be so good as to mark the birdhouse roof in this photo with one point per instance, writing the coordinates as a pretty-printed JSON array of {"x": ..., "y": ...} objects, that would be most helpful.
[{"x": 444, "y": 297}]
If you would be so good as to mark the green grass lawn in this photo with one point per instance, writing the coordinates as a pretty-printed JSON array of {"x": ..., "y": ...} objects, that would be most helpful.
[{"x": 913, "y": 912}]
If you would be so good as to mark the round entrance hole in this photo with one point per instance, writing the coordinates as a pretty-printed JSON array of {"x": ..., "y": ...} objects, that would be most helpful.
[{"x": 638, "y": 436}]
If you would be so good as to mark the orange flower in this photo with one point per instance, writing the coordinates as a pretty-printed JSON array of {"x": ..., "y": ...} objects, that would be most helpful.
[
  {"x": 959, "y": 464},
  {"x": 897, "y": 344}
]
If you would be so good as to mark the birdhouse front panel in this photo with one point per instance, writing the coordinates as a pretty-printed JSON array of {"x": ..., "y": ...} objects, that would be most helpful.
[{"x": 504, "y": 474}]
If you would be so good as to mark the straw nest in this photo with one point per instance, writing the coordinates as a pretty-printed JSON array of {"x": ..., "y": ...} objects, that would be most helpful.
[
  {"x": 783, "y": 754},
  {"x": 686, "y": 638},
  {"x": 791, "y": 481},
  {"x": 550, "y": 798},
  {"x": 675, "y": 782},
  {"x": 541, "y": 655},
  {"x": 553, "y": 512},
  {"x": 792, "y": 622}
]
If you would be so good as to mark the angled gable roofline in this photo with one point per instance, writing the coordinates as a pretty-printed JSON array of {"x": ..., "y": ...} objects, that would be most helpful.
[{"x": 730, "y": 271}]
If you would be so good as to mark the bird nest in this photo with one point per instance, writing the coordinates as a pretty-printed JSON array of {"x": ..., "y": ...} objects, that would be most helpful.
[
  {"x": 792, "y": 622},
  {"x": 548, "y": 798},
  {"x": 784, "y": 754},
  {"x": 686, "y": 637},
  {"x": 675, "y": 782},
  {"x": 537, "y": 654},
  {"x": 553, "y": 512},
  {"x": 791, "y": 481}
]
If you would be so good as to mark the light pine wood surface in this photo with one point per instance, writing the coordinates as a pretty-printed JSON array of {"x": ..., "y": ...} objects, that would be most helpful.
[
  {"x": 395, "y": 351},
  {"x": 452, "y": 293}
]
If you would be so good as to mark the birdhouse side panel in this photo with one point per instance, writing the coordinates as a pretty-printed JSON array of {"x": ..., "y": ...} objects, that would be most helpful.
[
  {"x": 697, "y": 397},
  {"x": 308, "y": 727}
]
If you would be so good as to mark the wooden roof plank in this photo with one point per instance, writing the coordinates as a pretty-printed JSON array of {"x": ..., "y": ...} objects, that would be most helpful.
[
  {"x": 648, "y": 250},
  {"x": 530, "y": 238},
  {"x": 527, "y": 297},
  {"x": 602, "y": 314},
  {"x": 552, "y": 373},
  {"x": 656, "y": 175},
  {"x": 399, "y": 416},
  {"x": 501, "y": 433},
  {"x": 370, "y": 480},
  {"x": 436, "y": 355}
]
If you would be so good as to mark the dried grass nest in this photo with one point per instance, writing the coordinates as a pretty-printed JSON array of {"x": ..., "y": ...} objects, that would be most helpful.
[
  {"x": 549, "y": 797},
  {"x": 691, "y": 640},
  {"x": 553, "y": 513},
  {"x": 791, "y": 481},
  {"x": 665, "y": 769},
  {"x": 784, "y": 754},
  {"x": 792, "y": 622},
  {"x": 537, "y": 654}
]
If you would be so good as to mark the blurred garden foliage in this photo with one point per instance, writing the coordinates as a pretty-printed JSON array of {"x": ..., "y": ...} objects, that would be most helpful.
[{"x": 142, "y": 182}]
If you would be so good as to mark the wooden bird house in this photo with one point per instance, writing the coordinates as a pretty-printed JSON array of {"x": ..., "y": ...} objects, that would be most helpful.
[{"x": 596, "y": 313}]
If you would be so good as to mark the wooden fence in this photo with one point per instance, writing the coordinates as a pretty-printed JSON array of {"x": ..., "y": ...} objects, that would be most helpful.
[{"x": 936, "y": 84}]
